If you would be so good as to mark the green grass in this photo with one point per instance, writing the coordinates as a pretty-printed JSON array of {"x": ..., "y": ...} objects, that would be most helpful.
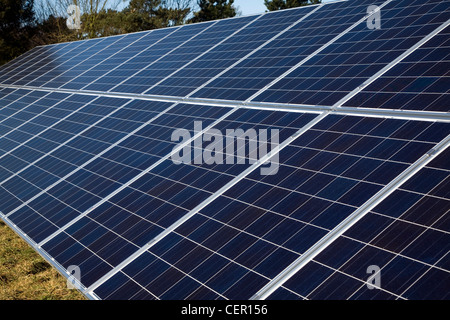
[{"x": 25, "y": 275}]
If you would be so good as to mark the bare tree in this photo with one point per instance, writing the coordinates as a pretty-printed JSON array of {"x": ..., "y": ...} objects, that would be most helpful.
[
  {"x": 181, "y": 9},
  {"x": 58, "y": 8},
  {"x": 89, "y": 10}
]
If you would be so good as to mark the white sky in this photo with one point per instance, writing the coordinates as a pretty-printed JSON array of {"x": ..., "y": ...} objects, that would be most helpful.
[
  {"x": 253, "y": 6},
  {"x": 250, "y": 6}
]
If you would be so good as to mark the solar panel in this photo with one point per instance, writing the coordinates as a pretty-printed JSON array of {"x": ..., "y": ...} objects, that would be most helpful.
[
  {"x": 406, "y": 236},
  {"x": 128, "y": 60},
  {"x": 227, "y": 55},
  {"x": 259, "y": 226},
  {"x": 149, "y": 202},
  {"x": 355, "y": 124},
  {"x": 298, "y": 44},
  {"x": 348, "y": 62},
  {"x": 420, "y": 82}
]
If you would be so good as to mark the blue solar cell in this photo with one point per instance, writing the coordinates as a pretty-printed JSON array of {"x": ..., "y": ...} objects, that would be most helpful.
[
  {"x": 125, "y": 78},
  {"x": 417, "y": 83},
  {"x": 19, "y": 62},
  {"x": 188, "y": 52},
  {"x": 41, "y": 57},
  {"x": 406, "y": 236},
  {"x": 224, "y": 55},
  {"x": 97, "y": 179},
  {"x": 363, "y": 48},
  {"x": 255, "y": 223},
  {"x": 167, "y": 192},
  {"x": 270, "y": 62}
]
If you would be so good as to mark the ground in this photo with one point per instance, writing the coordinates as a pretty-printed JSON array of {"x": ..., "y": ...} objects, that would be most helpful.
[{"x": 25, "y": 275}]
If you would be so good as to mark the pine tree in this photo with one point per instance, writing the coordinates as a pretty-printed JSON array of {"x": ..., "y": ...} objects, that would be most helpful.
[
  {"x": 153, "y": 14},
  {"x": 273, "y": 5},
  {"x": 16, "y": 24},
  {"x": 213, "y": 10}
]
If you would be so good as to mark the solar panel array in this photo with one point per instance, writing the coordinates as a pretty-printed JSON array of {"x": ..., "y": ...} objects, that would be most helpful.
[{"x": 87, "y": 175}]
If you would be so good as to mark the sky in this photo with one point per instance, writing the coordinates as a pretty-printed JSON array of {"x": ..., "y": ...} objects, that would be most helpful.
[{"x": 249, "y": 7}]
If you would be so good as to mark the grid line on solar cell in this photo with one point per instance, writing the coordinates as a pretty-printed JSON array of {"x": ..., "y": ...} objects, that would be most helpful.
[
  {"x": 128, "y": 183},
  {"x": 63, "y": 62},
  {"x": 84, "y": 146},
  {"x": 10, "y": 98},
  {"x": 41, "y": 52},
  {"x": 85, "y": 56},
  {"x": 418, "y": 79},
  {"x": 315, "y": 53},
  {"x": 129, "y": 41},
  {"x": 24, "y": 110},
  {"x": 99, "y": 155},
  {"x": 397, "y": 254},
  {"x": 29, "y": 120},
  {"x": 389, "y": 221},
  {"x": 5, "y": 91},
  {"x": 197, "y": 209},
  {"x": 133, "y": 56},
  {"x": 337, "y": 64},
  {"x": 6, "y": 68},
  {"x": 14, "y": 94},
  {"x": 216, "y": 51},
  {"x": 298, "y": 40},
  {"x": 286, "y": 115},
  {"x": 186, "y": 52},
  {"x": 91, "y": 159},
  {"x": 394, "y": 256},
  {"x": 55, "y": 107},
  {"x": 354, "y": 94},
  {"x": 164, "y": 55},
  {"x": 46, "y": 129},
  {"x": 40, "y": 154},
  {"x": 352, "y": 220},
  {"x": 219, "y": 59},
  {"x": 202, "y": 54},
  {"x": 65, "y": 49},
  {"x": 422, "y": 129},
  {"x": 36, "y": 74},
  {"x": 248, "y": 55},
  {"x": 140, "y": 55}
]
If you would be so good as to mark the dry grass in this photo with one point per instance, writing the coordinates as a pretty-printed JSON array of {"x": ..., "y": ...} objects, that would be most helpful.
[{"x": 25, "y": 275}]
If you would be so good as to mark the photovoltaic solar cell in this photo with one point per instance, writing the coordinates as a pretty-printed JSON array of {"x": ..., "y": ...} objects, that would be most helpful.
[
  {"x": 152, "y": 204},
  {"x": 420, "y": 82},
  {"x": 26, "y": 149},
  {"x": 257, "y": 228},
  {"x": 186, "y": 53},
  {"x": 128, "y": 60},
  {"x": 406, "y": 236},
  {"x": 131, "y": 80},
  {"x": 359, "y": 54},
  {"x": 228, "y": 53},
  {"x": 285, "y": 52}
]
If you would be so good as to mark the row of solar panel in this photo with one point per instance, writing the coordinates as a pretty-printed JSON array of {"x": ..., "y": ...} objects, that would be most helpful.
[
  {"x": 406, "y": 236},
  {"x": 90, "y": 180},
  {"x": 312, "y": 55}
]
